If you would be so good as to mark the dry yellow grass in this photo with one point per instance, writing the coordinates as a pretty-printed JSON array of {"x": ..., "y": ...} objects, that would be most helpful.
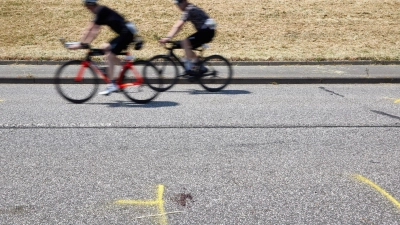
[{"x": 247, "y": 30}]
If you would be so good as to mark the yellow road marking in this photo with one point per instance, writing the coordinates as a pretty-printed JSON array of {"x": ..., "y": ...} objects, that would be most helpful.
[
  {"x": 379, "y": 189},
  {"x": 159, "y": 202},
  {"x": 395, "y": 100}
]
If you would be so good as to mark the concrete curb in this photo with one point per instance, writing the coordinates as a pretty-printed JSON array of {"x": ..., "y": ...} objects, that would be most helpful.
[
  {"x": 237, "y": 63},
  {"x": 306, "y": 80},
  {"x": 241, "y": 80},
  {"x": 313, "y": 63}
]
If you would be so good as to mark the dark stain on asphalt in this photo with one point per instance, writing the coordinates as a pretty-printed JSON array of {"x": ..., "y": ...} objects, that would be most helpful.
[{"x": 183, "y": 199}]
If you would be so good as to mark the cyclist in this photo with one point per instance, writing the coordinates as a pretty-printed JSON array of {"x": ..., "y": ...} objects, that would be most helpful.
[
  {"x": 205, "y": 31},
  {"x": 126, "y": 34}
]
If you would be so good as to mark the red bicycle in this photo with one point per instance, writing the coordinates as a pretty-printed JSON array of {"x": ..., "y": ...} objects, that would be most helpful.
[{"x": 77, "y": 81}]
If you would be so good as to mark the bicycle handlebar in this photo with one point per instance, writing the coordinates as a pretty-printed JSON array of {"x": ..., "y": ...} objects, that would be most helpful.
[
  {"x": 137, "y": 46},
  {"x": 177, "y": 45},
  {"x": 172, "y": 45}
]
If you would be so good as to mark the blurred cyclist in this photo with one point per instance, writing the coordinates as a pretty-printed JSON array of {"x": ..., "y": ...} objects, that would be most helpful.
[
  {"x": 126, "y": 34},
  {"x": 205, "y": 27}
]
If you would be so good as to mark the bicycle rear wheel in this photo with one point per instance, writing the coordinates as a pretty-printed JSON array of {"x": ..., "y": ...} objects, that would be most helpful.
[
  {"x": 76, "y": 83},
  {"x": 219, "y": 73},
  {"x": 138, "y": 89},
  {"x": 168, "y": 72}
]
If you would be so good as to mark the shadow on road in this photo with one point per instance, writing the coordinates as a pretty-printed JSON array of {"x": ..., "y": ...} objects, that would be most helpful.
[
  {"x": 223, "y": 92},
  {"x": 152, "y": 104}
]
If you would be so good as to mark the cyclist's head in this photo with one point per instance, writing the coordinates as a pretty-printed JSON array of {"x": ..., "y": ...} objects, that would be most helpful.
[
  {"x": 181, "y": 4},
  {"x": 89, "y": 2},
  {"x": 179, "y": 1}
]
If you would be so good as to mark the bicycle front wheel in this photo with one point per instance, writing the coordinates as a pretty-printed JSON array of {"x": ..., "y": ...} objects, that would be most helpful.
[
  {"x": 167, "y": 72},
  {"x": 136, "y": 87},
  {"x": 75, "y": 82},
  {"x": 218, "y": 73}
]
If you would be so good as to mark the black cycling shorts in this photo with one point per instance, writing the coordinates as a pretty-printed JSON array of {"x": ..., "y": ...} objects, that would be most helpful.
[
  {"x": 201, "y": 37},
  {"x": 121, "y": 42}
]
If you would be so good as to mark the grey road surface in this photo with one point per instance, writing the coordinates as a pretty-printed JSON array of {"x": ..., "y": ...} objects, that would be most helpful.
[{"x": 251, "y": 154}]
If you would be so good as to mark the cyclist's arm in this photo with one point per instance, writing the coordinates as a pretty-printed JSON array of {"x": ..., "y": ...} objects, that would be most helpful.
[
  {"x": 175, "y": 29},
  {"x": 91, "y": 33}
]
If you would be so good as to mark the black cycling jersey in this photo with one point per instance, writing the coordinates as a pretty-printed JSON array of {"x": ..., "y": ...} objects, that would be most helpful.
[
  {"x": 196, "y": 15},
  {"x": 107, "y": 16}
]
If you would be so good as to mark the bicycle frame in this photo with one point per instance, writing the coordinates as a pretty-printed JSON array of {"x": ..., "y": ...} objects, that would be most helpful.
[
  {"x": 128, "y": 64},
  {"x": 172, "y": 55}
]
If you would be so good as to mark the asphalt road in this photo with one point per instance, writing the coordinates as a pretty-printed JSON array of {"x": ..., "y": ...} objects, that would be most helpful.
[{"x": 251, "y": 154}]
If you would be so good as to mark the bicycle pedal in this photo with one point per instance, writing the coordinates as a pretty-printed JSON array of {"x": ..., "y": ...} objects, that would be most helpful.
[
  {"x": 193, "y": 78},
  {"x": 192, "y": 73}
]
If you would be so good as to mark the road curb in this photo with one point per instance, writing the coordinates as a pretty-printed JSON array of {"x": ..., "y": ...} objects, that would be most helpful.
[
  {"x": 238, "y": 63},
  {"x": 316, "y": 80},
  {"x": 314, "y": 63}
]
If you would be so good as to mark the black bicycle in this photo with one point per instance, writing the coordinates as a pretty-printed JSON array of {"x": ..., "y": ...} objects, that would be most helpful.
[{"x": 214, "y": 72}]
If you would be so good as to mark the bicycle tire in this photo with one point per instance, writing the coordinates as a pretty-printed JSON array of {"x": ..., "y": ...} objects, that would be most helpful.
[
  {"x": 168, "y": 72},
  {"x": 140, "y": 92},
  {"x": 219, "y": 73},
  {"x": 71, "y": 89}
]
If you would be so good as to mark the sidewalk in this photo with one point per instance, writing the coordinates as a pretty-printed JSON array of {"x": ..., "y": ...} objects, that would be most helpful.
[{"x": 339, "y": 72}]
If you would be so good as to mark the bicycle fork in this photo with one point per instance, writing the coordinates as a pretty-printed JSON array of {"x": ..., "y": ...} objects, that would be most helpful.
[{"x": 79, "y": 75}]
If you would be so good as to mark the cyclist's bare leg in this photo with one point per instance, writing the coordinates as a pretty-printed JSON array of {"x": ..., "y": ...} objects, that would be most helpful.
[
  {"x": 188, "y": 50},
  {"x": 190, "y": 55},
  {"x": 112, "y": 60}
]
